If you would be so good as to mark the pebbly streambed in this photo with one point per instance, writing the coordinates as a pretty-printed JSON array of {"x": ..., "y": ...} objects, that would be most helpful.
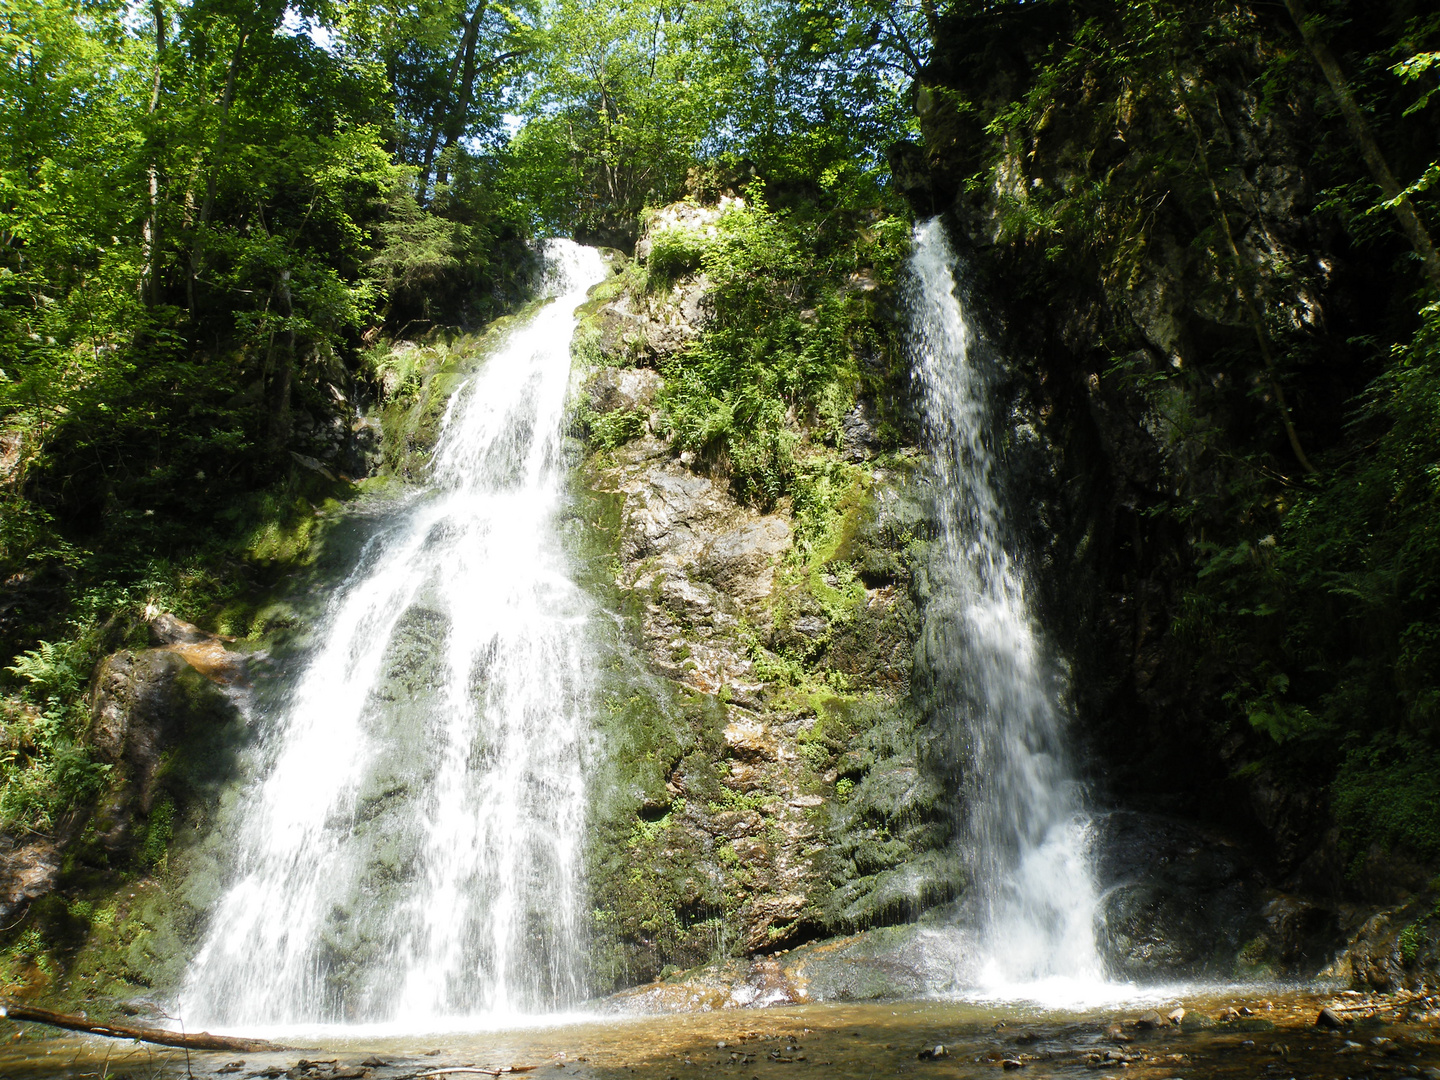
[{"x": 1236, "y": 1032}]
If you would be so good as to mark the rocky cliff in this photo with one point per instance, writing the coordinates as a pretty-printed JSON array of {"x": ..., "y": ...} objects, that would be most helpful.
[{"x": 1153, "y": 207}]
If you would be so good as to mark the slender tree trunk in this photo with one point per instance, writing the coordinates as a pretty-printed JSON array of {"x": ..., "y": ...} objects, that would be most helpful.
[
  {"x": 932, "y": 17},
  {"x": 1403, "y": 208},
  {"x": 280, "y": 415},
  {"x": 455, "y": 122},
  {"x": 442, "y": 110},
  {"x": 197, "y": 251},
  {"x": 1257, "y": 321},
  {"x": 150, "y": 261}
]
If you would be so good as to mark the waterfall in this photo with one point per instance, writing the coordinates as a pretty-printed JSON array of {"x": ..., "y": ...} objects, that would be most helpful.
[
  {"x": 1024, "y": 828},
  {"x": 412, "y": 847}
]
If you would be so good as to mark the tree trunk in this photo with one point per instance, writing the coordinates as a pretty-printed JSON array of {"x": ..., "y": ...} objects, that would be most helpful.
[
  {"x": 1257, "y": 321},
  {"x": 442, "y": 108},
  {"x": 197, "y": 251},
  {"x": 150, "y": 261},
  {"x": 199, "y": 1041},
  {"x": 280, "y": 416},
  {"x": 1403, "y": 208},
  {"x": 455, "y": 122}
]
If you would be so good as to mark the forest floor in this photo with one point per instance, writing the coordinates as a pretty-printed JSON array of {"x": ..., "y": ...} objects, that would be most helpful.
[{"x": 1226, "y": 1032}]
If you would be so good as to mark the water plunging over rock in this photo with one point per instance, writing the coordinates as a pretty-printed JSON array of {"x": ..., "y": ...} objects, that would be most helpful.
[
  {"x": 412, "y": 849},
  {"x": 995, "y": 685}
]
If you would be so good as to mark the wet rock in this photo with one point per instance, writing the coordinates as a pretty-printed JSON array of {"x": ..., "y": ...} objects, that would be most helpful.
[
  {"x": 1330, "y": 1019},
  {"x": 858, "y": 438},
  {"x": 143, "y": 707},
  {"x": 748, "y": 737},
  {"x": 1176, "y": 899},
  {"x": 1176, "y": 1016},
  {"x": 767, "y": 917},
  {"x": 1194, "y": 1021},
  {"x": 1148, "y": 1021},
  {"x": 166, "y": 629},
  {"x": 134, "y": 706},
  {"x": 205, "y": 652}
]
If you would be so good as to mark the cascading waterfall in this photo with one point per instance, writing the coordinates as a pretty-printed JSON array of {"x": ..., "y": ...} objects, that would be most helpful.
[
  {"x": 412, "y": 850},
  {"x": 1025, "y": 831}
]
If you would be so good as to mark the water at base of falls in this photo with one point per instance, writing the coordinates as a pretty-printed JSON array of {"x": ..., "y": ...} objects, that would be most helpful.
[
  {"x": 1025, "y": 833},
  {"x": 411, "y": 850}
]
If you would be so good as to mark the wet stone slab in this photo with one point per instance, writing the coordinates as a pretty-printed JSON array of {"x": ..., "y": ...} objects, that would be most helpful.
[{"x": 1220, "y": 1035}]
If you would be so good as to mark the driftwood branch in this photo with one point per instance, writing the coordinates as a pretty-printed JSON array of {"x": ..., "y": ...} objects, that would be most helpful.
[
  {"x": 1379, "y": 1006},
  {"x": 202, "y": 1040},
  {"x": 486, "y": 1072}
]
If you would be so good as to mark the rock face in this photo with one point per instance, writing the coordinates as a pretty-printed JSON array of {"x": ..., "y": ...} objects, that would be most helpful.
[
  {"x": 28, "y": 871},
  {"x": 765, "y": 784},
  {"x": 144, "y": 704},
  {"x": 896, "y": 961},
  {"x": 1261, "y": 885},
  {"x": 1177, "y": 902}
]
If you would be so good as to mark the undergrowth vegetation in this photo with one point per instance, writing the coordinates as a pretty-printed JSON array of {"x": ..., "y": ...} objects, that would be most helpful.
[{"x": 793, "y": 338}]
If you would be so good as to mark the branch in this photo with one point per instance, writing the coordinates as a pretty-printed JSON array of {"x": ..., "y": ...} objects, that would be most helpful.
[
  {"x": 1397, "y": 198},
  {"x": 200, "y": 1041}
]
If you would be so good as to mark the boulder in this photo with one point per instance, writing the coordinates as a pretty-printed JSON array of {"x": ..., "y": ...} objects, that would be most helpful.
[
  {"x": 623, "y": 389},
  {"x": 28, "y": 871},
  {"x": 143, "y": 706},
  {"x": 205, "y": 652},
  {"x": 1177, "y": 901}
]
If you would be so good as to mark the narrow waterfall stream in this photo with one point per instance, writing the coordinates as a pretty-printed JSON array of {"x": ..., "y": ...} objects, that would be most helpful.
[
  {"x": 1024, "y": 826},
  {"x": 412, "y": 849}
]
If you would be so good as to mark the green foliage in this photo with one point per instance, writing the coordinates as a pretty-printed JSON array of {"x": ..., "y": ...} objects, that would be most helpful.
[
  {"x": 779, "y": 364},
  {"x": 45, "y": 769},
  {"x": 675, "y": 252},
  {"x": 606, "y": 431},
  {"x": 1348, "y": 605}
]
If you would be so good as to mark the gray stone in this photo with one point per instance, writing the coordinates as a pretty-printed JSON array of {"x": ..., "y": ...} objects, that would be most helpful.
[
  {"x": 623, "y": 389},
  {"x": 742, "y": 560}
]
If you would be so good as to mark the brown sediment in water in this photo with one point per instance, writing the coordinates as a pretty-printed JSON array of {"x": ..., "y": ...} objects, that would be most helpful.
[{"x": 1223, "y": 1035}]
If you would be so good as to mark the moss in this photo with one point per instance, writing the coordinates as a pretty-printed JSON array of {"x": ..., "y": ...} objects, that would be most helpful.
[
  {"x": 155, "y": 844},
  {"x": 1388, "y": 793}
]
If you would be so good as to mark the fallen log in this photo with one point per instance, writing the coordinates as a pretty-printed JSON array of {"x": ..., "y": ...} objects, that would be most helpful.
[
  {"x": 201, "y": 1040},
  {"x": 487, "y": 1072}
]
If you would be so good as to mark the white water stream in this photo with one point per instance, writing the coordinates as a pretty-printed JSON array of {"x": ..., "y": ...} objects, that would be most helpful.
[
  {"x": 1025, "y": 831},
  {"x": 412, "y": 851}
]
